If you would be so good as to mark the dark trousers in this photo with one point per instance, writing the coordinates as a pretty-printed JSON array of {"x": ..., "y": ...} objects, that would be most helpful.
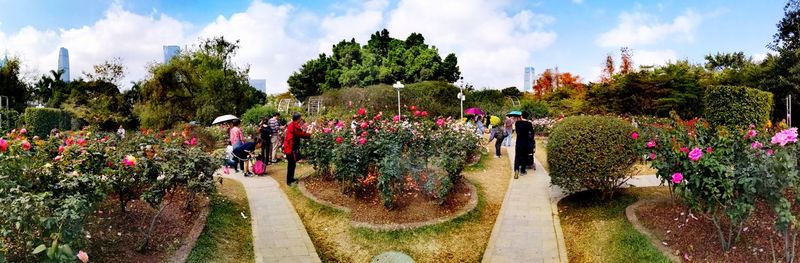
[
  {"x": 521, "y": 158},
  {"x": 497, "y": 145},
  {"x": 292, "y": 158},
  {"x": 266, "y": 153}
]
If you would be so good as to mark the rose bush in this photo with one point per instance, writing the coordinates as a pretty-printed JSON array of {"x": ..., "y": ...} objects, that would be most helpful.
[
  {"x": 394, "y": 154},
  {"x": 723, "y": 172},
  {"x": 49, "y": 187}
]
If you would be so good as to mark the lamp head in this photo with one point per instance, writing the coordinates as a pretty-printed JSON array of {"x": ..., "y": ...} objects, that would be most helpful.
[{"x": 398, "y": 85}]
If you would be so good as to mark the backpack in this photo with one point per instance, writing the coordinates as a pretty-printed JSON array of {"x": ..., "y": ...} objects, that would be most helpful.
[
  {"x": 265, "y": 132},
  {"x": 259, "y": 167},
  {"x": 500, "y": 134}
]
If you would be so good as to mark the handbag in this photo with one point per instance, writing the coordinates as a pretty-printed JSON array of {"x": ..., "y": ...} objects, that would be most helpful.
[{"x": 259, "y": 167}]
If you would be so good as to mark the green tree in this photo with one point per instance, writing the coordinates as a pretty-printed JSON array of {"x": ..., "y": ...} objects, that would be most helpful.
[{"x": 11, "y": 85}]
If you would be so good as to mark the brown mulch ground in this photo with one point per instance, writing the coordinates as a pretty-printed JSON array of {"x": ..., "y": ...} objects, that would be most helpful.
[
  {"x": 412, "y": 206},
  {"x": 695, "y": 239},
  {"x": 113, "y": 236}
]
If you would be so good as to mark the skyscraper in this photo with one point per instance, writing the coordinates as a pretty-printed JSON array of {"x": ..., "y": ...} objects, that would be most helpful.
[
  {"x": 63, "y": 63},
  {"x": 4, "y": 60},
  {"x": 529, "y": 78},
  {"x": 170, "y": 51},
  {"x": 259, "y": 84}
]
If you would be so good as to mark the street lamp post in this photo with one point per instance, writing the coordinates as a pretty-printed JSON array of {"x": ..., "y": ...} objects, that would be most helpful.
[
  {"x": 398, "y": 86},
  {"x": 461, "y": 97}
]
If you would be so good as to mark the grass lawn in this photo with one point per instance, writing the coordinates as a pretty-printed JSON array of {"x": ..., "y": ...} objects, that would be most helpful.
[
  {"x": 597, "y": 231},
  {"x": 541, "y": 156},
  {"x": 461, "y": 240},
  {"x": 227, "y": 236}
]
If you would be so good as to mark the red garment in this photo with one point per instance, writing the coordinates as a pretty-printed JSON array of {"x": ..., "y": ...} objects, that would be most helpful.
[{"x": 293, "y": 134}]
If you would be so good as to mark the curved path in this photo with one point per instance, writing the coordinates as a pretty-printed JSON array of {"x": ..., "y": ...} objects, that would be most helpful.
[
  {"x": 528, "y": 227},
  {"x": 278, "y": 233}
]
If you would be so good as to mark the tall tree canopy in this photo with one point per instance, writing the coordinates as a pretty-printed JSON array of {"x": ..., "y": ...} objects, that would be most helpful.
[
  {"x": 382, "y": 60},
  {"x": 12, "y": 86},
  {"x": 196, "y": 85}
]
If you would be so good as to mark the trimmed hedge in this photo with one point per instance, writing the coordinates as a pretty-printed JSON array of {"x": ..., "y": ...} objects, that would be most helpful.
[
  {"x": 591, "y": 152},
  {"x": 256, "y": 113},
  {"x": 737, "y": 106},
  {"x": 39, "y": 121}
]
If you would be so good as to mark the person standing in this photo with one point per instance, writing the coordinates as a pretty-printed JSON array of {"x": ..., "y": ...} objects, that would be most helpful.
[
  {"x": 524, "y": 130},
  {"x": 236, "y": 135},
  {"x": 244, "y": 155},
  {"x": 275, "y": 141},
  {"x": 479, "y": 125},
  {"x": 509, "y": 127},
  {"x": 265, "y": 134},
  {"x": 291, "y": 144},
  {"x": 497, "y": 133}
]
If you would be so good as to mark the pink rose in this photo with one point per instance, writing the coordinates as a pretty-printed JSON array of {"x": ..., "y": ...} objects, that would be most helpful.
[
  {"x": 635, "y": 135},
  {"x": 709, "y": 150},
  {"x": 396, "y": 118},
  {"x": 129, "y": 161},
  {"x": 364, "y": 125},
  {"x": 193, "y": 141},
  {"x": 326, "y": 130},
  {"x": 417, "y": 113},
  {"x": 3, "y": 145},
  {"x": 362, "y": 111},
  {"x": 756, "y": 145},
  {"x": 23, "y": 131},
  {"x": 652, "y": 156},
  {"x": 751, "y": 133},
  {"x": 58, "y": 158},
  {"x": 81, "y": 141},
  {"x": 377, "y": 117},
  {"x": 770, "y": 152},
  {"x": 424, "y": 114},
  {"x": 26, "y": 145},
  {"x": 61, "y": 149},
  {"x": 440, "y": 122},
  {"x": 695, "y": 154},
  {"x": 83, "y": 257},
  {"x": 362, "y": 140},
  {"x": 651, "y": 144},
  {"x": 69, "y": 141},
  {"x": 677, "y": 178},
  {"x": 785, "y": 136}
]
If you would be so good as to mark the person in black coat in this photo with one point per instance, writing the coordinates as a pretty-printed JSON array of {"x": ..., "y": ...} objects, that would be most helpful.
[{"x": 523, "y": 147}]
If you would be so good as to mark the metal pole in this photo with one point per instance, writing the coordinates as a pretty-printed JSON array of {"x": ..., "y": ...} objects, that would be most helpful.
[
  {"x": 789, "y": 110},
  {"x": 398, "y": 102}
]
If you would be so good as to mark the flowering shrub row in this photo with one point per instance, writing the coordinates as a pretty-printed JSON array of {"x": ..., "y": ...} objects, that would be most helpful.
[
  {"x": 723, "y": 172},
  {"x": 49, "y": 187},
  {"x": 397, "y": 155}
]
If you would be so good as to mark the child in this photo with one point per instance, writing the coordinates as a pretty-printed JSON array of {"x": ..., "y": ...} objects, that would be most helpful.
[
  {"x": 497, "y": 133},
  {"x": 229, "y": 161}
]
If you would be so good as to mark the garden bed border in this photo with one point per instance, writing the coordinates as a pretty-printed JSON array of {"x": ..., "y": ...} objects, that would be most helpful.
[
  {"x": 630, "y": 214},
  {"x": 469, "y": 207}
]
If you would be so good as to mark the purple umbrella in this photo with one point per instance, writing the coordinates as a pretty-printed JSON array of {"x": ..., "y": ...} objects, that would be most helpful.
[{"x": 473, "y": 111}]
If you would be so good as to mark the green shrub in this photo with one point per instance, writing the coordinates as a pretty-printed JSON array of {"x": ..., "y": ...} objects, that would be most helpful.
[
  {"x": 591, "y": 152},
  {"x": 255, "y": 114},
  {"x": 738, "y": 106},
  {"x": 40, "y": 121},
  {"x": 9, "y": 120},
  {"x": 536, "y": 108}
]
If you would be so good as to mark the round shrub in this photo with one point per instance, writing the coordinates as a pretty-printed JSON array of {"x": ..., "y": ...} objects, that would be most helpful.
[
  {"x": 255, "y": 114},
  {"x": 591, "y": 152},
  {"x": 536, "y": 108}
]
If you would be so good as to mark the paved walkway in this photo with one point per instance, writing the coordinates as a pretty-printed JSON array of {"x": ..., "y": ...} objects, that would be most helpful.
[
  {"x": 278, "y": 233},
  {"x": 528, "y": 227}
]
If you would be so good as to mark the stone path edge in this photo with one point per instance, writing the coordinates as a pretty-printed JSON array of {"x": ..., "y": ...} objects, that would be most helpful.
[
  {"x": 630, "y": 213},
  {"x": 471, "y": 205},
  {"x": 198, "y": 226}
]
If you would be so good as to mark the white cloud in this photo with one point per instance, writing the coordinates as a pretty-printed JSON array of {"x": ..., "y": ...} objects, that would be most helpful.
[
  {"x": 358, "y": 24},
  {"x": 492, "y": 46},
  {"x": 653, "y": 57},
  {"x": 577, "y": 1},
  {"x": 639, "y": 28}
]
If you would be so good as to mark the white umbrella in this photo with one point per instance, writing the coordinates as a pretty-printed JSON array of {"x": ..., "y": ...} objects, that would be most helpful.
[{"x": 224, "y": 118}]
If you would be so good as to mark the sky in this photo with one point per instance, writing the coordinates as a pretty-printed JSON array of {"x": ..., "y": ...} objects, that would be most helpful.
[{"x": 494, "y": 40}]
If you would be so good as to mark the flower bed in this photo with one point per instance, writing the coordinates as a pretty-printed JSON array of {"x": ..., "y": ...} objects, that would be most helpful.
[
  {"x": 723, "y": 174},
  {"x": 49, "y": 187},
  {"x": 394, "y": 156}
]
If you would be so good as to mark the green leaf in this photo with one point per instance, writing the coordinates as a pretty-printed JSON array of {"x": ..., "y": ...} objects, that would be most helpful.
[{"x": 39, "y": 249}]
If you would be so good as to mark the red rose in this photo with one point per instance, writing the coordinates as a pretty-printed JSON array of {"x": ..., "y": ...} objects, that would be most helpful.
[
  {"x": 362, "y": 111},
  {"x": 364, "y": 125},
  {"x": 339, "y": 140},
  {"x": 424, "y": 114},
  {"x": 417, "y": 113}
]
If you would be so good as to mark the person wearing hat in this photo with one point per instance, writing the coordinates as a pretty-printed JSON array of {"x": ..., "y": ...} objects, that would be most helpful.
[{"x": 291, "y": 144}]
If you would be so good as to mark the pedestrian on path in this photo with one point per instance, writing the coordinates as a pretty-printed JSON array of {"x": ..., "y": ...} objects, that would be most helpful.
[
  {"x": 479, "y": 128},
  {"x": 236, "y": 135},
  {"x": 276, "y": 140},
  {"x": 497, "y": 133},
  {"x": 524, "y": 130},
  {"x": 509, "y": 127},
  {"x": 291, "y": 144},
  {"x": 265, "y": 134},
  {"x": 245, "y": 154}
]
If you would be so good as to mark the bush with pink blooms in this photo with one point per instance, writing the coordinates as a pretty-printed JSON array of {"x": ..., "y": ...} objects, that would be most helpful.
[
  {"x": 49, "y": 187},
  {"x": 723, "y": 172},
  {"x": 394, "y": 154}
]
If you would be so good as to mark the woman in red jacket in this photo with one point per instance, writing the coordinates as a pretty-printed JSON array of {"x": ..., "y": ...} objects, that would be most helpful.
[{"x": 291, "y": 144}]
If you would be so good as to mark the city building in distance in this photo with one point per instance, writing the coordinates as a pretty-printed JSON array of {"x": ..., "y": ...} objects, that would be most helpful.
[
  {"x": 259, "y": 84},
  {"x": 63, "y": 63},
  {"x": 170, "y": 51},
  {"x": 529, "y": 78}
]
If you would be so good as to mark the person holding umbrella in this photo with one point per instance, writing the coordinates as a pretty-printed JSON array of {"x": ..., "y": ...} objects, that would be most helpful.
[{"x": 291, "y": 144}]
